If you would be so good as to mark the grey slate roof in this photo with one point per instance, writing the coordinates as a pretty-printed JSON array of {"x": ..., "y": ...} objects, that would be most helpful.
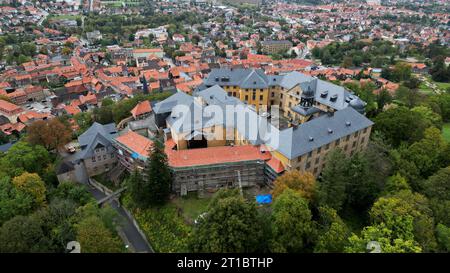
[
  {"x": 305, "y": 111},
  {"x": 97, "y": 134},
  {"x": 290, "y": 142},
  {"x": 296, "y": 141},
  {"x": 245, "y": 78},
  {"x": 176, "y": 99},
  {"x": 64, "y": 167},
  {"x": 216, "y": 95},
  {"x": 291, "y": 79},
  {"x": 255, "y": 78}
]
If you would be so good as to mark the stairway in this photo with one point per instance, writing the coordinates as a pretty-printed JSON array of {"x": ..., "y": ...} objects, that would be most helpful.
[{"x": 115, "y": 173}]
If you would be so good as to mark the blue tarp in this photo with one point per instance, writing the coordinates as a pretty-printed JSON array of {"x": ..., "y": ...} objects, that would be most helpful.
[
  {"x": 264, "y": 199},
  {"x": 134, "y": 155}
]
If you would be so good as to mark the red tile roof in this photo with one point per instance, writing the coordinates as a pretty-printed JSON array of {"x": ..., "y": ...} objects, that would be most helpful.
[
  {"x": 214, "y": 155},
  {"x": 135, "y": 142},
  {"x": 141, "y": 108},
  {"x": 276, "y": 165},
  {"x": 72, "y": 110},
  {"x": 9, "y": 107}
]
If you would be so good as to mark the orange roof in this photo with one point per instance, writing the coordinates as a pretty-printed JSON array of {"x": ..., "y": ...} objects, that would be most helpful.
[
  {"x": 135, "y": 142},
  {"x": 89, "y": 98},
  {"x": 17, "y": 93},
  {"x": 141, "y": 108},
  {"x": 214, "y": 155},
  {"x": 10, "y": 107},
  {"x": 276, "y": 165},
  {"x": 8, "y": 128},
  {"x": 72, "y": 110},
  {"x": 32, "y": 115}
]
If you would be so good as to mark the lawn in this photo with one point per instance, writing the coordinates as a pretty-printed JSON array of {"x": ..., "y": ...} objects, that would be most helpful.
[
  {"x": 191, "y": 206},
  {"x": 168, "y": 227},
  {"x": 425, "y": 89},
  {"x": 446, "y": 131},
  {"x": 443, "y": 85}
]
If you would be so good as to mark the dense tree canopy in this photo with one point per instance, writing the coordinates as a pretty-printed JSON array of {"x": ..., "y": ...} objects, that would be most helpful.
[
  {"x": 292, "y": 226},
  {"x": 302, "y": 182},
  {"x": 229, "y": 225}
]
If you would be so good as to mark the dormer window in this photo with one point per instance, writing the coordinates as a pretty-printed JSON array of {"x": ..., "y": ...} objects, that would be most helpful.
[
  {"x": 348, "y": 123},
  {"x": 324, "y": 94},
  {"x": 334, "y": 97}
]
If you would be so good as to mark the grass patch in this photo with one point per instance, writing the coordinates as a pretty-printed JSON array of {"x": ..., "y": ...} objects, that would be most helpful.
[
  {"x": 164, "y": 226},
  {"x": 425, "y": 89},
  {"x": 443, "y": 85},
  {"x": 191, "y": 206},
  {"x": 446, "y": 131}
]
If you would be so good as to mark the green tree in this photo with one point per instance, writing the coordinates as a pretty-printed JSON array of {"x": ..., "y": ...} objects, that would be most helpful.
[
  {"x": 395, "y": 184},
  {"x": 332, "y": 232},
  {"x": 428, "y": 114},
  {"x": 72, "y": 191},
  {"x": 24, "y": 157},
  {"x": 94, "y": 237},
  {"x": 331, "y": 187},
  {"x": 159, "y": 179},
  {"x": 438, "y": 71},
  {"x": 22, "y": 234},
  {"x": 32, "y": 184},
  {"x": 410, "y": 97},
  {"x": 426, "y": 153},
  {"x": 229, "y": 225},
  {"x": 389, "y": 241},
  {"x": 56, "y": 224},
  {"x": 443, "y": 236},
  {"x": 383, "y": 98},
  {"x": 293, "y": 228},
  {"x": 13, "y": 201},
  {"x": 394, "y": 210},
  {"x": 136, "y": 184},
  {"x": 438, "y": 186},
  {"x": 400, "y": 124}
]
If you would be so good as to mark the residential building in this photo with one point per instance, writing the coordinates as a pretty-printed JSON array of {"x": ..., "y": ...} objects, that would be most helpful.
[
  {"x": 275, "y": 46},
  {"x": 10, "y": 110},
  {"x": 97, "y": 153}
]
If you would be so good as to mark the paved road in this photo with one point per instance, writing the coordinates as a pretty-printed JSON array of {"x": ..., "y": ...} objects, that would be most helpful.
[{"x": 135, "y": 238}]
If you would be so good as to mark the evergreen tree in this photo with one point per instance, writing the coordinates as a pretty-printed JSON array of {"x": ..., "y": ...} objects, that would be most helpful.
[
  {"x": 332, "y": 186},
  {"x": 135, "y": 186},
  {"x": 159, "y": 179}
]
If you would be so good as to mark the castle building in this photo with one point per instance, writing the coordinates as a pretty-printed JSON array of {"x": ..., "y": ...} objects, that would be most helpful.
[{"x": 206, "y": 151}]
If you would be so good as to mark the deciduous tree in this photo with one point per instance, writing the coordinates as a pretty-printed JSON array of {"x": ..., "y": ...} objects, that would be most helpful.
[
  {"x": 229, "y": 225},
  {"x": 32, "y": 184},
  {"x": 301, "y": 182},
  {"x": 52, "y": 134},
  {"x": 292, "y": 224}
]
